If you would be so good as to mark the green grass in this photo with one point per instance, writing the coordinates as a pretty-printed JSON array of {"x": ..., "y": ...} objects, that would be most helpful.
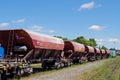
[
  {"x": 110, "y": 70},
  {"x": 36, "y": 65}
]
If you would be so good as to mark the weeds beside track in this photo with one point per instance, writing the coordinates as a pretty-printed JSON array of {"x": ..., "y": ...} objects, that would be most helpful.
[{"x": 110, "y": 70}]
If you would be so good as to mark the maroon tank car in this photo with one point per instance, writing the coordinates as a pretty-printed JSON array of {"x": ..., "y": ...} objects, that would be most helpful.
[
  {"x": 46, "y": 47},
  {"x": 73, "y": 51},
  {"x": 107, "y": 52},
  {"x": 103, "y": 55},
  {"x": 31, "y": 46},
  {"x": 97, "y": 53},
  {"x": 90, "y": 53}
]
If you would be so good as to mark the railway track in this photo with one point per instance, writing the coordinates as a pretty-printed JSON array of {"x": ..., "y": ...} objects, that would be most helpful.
[{"x": 68, "y": 73}]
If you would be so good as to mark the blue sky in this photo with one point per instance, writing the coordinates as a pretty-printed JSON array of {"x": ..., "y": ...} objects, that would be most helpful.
[{"x": 98, "y": 19}]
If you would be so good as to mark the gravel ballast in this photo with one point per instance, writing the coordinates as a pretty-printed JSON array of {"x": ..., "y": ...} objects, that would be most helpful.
[{"x": 69, "y": 73}]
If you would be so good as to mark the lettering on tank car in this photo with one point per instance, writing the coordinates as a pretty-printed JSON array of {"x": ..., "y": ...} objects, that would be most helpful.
[{"x": 18, "y": 37}]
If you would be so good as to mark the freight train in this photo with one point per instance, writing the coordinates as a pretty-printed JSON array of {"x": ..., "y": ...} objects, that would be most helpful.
[{"x": 19, "y": 47}]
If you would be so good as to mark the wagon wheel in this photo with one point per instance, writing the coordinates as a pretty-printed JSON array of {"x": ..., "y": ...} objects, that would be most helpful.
[
  {"x": 58, "y": 66},
  {"x": 20, "y": 73},
  {"x": 62, "y": 65}
]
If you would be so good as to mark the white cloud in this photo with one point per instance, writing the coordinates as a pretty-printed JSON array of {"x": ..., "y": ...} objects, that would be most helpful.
[
  {"x": 36, "y": 28},
  {"x": 100, "y": 40},
  {"x": 99, "y": 43},
  {"x": 19, "y": 21},
  {"x": 51, "y": 31},
  {"x": 96, "y": 27},
  {"x": 114, "y": 40},
  {"x": 89, "y": 5},
  {"x": 4, "y": 24}
]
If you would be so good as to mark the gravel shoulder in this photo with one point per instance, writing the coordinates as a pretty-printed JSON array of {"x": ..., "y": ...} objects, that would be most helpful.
[{"x": 70, "y": 73}]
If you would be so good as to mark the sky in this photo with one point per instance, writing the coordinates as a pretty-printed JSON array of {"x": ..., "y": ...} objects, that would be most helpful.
[{"x": 98, "y": 19}]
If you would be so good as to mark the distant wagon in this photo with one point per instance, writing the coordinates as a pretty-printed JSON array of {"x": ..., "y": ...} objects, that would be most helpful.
[
  {"x": 74, "y": 51},
  {"x": 90, "y": 53},
  {"x": 107, "y": 53},
  {"x": 97, "y": 53},
  {"x": 112, "y": 52},
  {"x": 103, "y": 53}
]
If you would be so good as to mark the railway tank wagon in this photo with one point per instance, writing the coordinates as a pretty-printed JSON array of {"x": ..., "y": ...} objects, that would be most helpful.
[
  {"x": 107, "y": 52},
  {"x": 90, "y": 53},
  {"x": 47, "y": 48},
  {"x": 97, "y": 53},
  {"x": 73, "y": 51},
  {"x": 103, "y": 54},
  {"x": 30, "y": 45},
  {"x": 15, "y": 43}
]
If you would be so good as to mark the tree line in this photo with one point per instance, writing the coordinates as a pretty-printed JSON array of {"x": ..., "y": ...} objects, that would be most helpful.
[{"x": 83, "y": 40}]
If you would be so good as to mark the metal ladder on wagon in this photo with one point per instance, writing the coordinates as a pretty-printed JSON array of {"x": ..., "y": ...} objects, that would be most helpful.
[{"x": 10, "y": 44}]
